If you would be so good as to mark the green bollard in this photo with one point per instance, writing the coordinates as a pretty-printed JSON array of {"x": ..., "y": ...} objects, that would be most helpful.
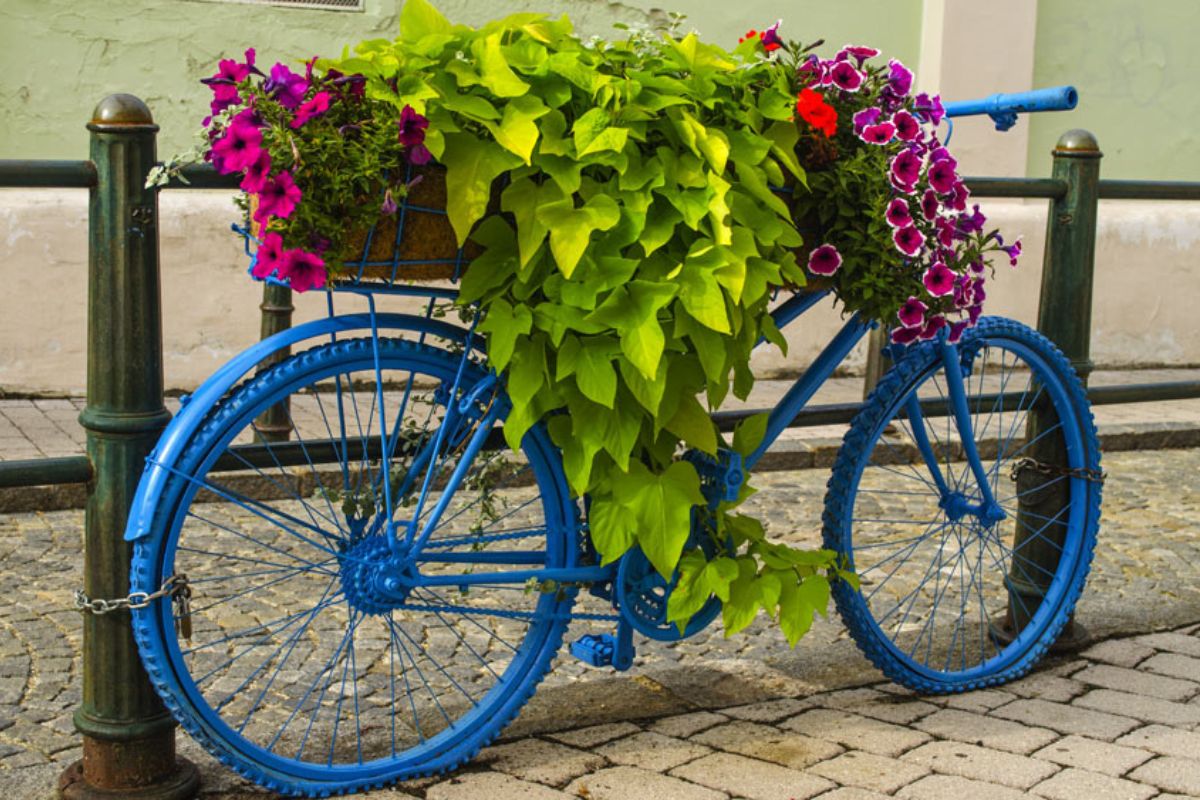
[
  {"x": 274, "y": 424},
  {"x": 128, "y": 736},
  {"x": 1065, "y": 317}
]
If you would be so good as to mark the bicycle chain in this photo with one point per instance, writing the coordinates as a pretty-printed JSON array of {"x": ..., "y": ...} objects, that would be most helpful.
[
  {"x": 1093, "y": 475},
  {"x": 175, "y": 587}
]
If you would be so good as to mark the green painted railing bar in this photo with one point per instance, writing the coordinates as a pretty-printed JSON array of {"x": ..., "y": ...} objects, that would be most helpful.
[
  {"x": 201, "y": 176},
  {"x": 45, "y": 471},
  {"x": 1149, "y": 190},
  {"x": 47, "y": 174},
  {"x": 1144, "y": 392},
  {"x": 1051, "y": 188},
  {"x": 128, "y": 735}
]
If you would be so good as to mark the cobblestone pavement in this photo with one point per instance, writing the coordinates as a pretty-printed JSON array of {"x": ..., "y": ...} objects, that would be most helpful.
[{"x": 747, "y": 717}]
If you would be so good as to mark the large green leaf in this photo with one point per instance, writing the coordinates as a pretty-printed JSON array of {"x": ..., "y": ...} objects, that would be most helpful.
[
  {"x": 419, "y": 18},
  {"x": 503, "y": 324},
  {"x": 494, "y": 71},
  {"x": 524, "y": 198},
  {"x": 571, "y": 228},
  {"x": 471, "y": 166},
  {"x": 517, "y": 130},
  {"x": 613, "y": 525},
  {"x": 594, "y": 133},
  {"x": 662, "y": 504},
  {"x": 692, "y": 423}
]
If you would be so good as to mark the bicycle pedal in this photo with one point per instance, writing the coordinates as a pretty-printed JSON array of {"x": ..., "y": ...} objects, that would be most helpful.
[{"x": 604, "y": 650}]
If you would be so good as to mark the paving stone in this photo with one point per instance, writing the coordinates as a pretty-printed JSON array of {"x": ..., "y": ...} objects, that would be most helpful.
[
  {"x": 979, "y": 701},
  {"x": 652, "y": 751},
  {"x": 852, "y": 793},
  {"x": 793, "y": 750},
  {"x": 1054, "y": 688},
  {"x": 768, "y": 711},
  {"x": 1171, "y": 774},
  {"x": 1175, "y": 665},
  {"x": 878, "y": 705},
  {"x": 687, "y": 724},
  {"x": 952, "y": 787},
  {"x": 979, "y": 763},
  {"x": 986, "y": 731},
  {"x": 627, "y": 783},
  {"x": 744, "y": 777},
  {"x": 1119, "y": 652},
  {"x": 1077, "y": 784},
  {"x": 1089, "y": 754},
  {"x": 491, "y": 785},
  {"x": 1068, "y": 719},
  {"x": 1164, "y": 741},
  {"x": 1188, "y": 645},
  {"x": 1147, "y": 709},
  {"x": 540, "y": 761},
  {"x": 1137, "y": 681},
  {"x": 869, "y": 771},
  {"x": 596, "y": 734},
  {"x": 855, "y": 732}
]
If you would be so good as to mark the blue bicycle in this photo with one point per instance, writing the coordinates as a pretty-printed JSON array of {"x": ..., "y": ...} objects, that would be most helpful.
[{"x": 357, "y": 583}]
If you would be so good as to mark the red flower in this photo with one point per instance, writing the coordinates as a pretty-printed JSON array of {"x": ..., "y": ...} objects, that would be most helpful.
[
  {"x": 750, "y": 34},
  {"x": 813, "y": 109}
]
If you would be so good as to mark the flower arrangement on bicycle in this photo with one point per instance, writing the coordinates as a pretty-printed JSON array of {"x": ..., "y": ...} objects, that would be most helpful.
[{"x": 657, "y": 192}]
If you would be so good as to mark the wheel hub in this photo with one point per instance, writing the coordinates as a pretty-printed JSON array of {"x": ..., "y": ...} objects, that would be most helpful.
[{"x": 371, "y": 579}]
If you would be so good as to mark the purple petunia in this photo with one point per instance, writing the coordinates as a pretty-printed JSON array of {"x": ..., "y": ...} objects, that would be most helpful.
[
  {"x": 900, "y": 78},
  {"x": 770, "y": 38},
  {"x": 935, "y": 324},
  {"x": 959, "y": 196},
  {"x": 930, "y": 205},
  {"x": 238, "y": 148},
  {"x": 1013, "y": 250},
  {"x": 907, "y": 127},
  {"x": 905, "y": 335},
  {"x": 256, "y": 175},
  {"x": 879, "y": 134},
  {"x": 418, "y": 155},
  {"x": 938, "y": 280},
  {"x": 973, "y": 222},
  {"x": 389, "y": 204},
  {"x": 846, "y": 77},
  {"x": 929, "y": 107},
  {"x": 898, "y": 214},
  {"x": 287, "y": 87},
  {"x": 824, "y": 260},
  {"x": 859, "y": 52},
  {"x": 266, "y": 258},
  {"x": 957, "y": 329},
  {"x": 905, "y": 170},
  {"x": 278, "y": 198},
  {"x": 314, "y": 107},
  {"x": 866, "y": 117},
  {"x": 909, "y": 240},
  {"x": 412, "y": 127},
  {"x": 302, "y": 270},
  {"x": 912, "y": 313}
]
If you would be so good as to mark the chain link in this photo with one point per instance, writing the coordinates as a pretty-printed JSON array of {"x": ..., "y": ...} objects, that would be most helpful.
[
  {"x": 1093, "y": 475},
  {"x": 175, "y": 587}
]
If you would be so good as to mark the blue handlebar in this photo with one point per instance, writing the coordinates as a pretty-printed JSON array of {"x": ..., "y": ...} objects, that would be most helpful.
[{"x": 1004, "y": 108}]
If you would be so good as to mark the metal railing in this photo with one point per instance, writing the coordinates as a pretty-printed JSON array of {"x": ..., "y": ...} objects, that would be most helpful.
[{"x": 128, "y": 736}]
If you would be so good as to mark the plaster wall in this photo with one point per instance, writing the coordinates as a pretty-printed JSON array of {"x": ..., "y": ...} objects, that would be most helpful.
[{"x": 210, "y": 306}]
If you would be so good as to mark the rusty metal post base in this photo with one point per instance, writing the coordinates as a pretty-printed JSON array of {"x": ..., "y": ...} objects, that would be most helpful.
[{"x": 175, "y": 779}]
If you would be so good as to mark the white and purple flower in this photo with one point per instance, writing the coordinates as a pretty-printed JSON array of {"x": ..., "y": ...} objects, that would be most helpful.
[
  {"x": 898, "y": 214},
  {"x": 909, "y": 240},
  {"x": 824, "y": 260},
  {"x": 939, "y": 280}
]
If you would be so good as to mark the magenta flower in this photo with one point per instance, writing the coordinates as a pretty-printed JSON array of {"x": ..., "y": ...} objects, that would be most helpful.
[
  {"x": 938, "y": 280},
  {"x": 389, "y": 204},
  {"x": 929, "y": 107},
  {"x": 418, "y": 155},
  {"x": 287, "y": 87},
  {"x": 973, "y": 222},
  {"x": 907, "y": 127},
  {"x": 912, "y": 313},
  {"x": 302, "y": 270},
  {"x": 256, "y": 175},
  {"x": 224, "y": 96},
  {"x": 278, "y": 198},
  {"x": 930, "y": 205},
  {"x": 412, "y": 127},
  {"x": 935, "y": 324},
  {"x": 909, "y": 240},
  {"x": 824, "y": 260},
  {"x": 846, "y": 77},
  {"x": 977, "y": 289},
  {"x": 866, "y": 117},
  {"x": 945, "y": 232},
  {"x": 898, "y": 214},
  {"x": 878, "y": 134},
  {"x": 975, "y": 312},
  {"x": 905, "y": 170},
  {"x": 900, "y": 78},
  {"x": 1013, "y": 250},
  {"x": 266, "y": 258},
  {"x": 959, "y": 197},
  {"x": 905, "y": 335},
  {"x": 770, "y": 38},
  {"x": 942, "y": 154},
  {"x": 309, "y": 109},
  {"x": 238, "y": 148},
  {"x": 957, "y": 329},
  {"x": 978, "y": 266},
  {"x": 859, "y": 52}
]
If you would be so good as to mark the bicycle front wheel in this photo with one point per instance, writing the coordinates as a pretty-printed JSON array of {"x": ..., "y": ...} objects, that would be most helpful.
[
  {"x": 951, "y": 598},
  {"x": 297, "y": 671}
]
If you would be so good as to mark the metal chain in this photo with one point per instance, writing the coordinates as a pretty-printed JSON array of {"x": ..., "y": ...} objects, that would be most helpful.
[{"x": 1093, "y": 475}]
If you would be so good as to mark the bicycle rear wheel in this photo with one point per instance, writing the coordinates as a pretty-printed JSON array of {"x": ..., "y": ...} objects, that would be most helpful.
[
  {"x": 298, "y": 672},
  {"x": 950, "y": 600}
]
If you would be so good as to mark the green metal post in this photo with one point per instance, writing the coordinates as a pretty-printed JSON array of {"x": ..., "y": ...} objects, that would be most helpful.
[
  {"x": 128, "y": 736},
  {"x": 1065, "y": 317},
  {"x": 877, "y": 364},
  {"x": 274, "y": 424}
]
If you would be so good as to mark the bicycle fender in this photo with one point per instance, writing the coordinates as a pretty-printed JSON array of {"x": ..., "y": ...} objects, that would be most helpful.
[{"x": 179, "y": 431}]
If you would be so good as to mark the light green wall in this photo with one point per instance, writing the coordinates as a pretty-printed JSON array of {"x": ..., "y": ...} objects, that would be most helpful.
[
  {"x": 1135, "y": 63},
  {"x": 59, "y": 57}
]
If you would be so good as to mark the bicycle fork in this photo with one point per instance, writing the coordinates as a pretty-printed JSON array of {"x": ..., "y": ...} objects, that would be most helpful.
[{"x": 953, "y": 501}]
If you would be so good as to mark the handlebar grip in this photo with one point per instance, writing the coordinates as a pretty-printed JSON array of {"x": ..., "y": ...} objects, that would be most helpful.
[{"x": 1003, "y": 108}]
